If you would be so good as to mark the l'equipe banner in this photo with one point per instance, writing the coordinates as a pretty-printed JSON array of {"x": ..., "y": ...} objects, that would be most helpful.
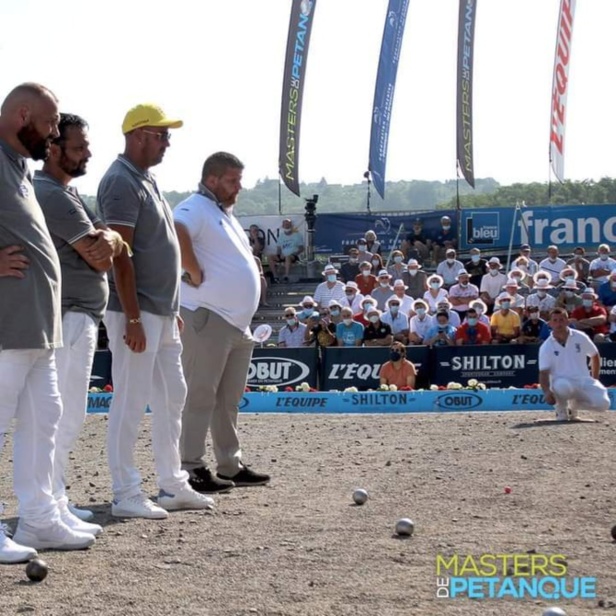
[
  {"x": 464, "y": 133},
  {"x": 300, "y": 26},
  {"x": 560, "y": 81},
  {"x": 384, "y": 90}
]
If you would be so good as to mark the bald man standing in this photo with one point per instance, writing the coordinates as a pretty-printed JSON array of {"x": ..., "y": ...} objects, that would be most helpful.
[{"x": 30, "y": 327}]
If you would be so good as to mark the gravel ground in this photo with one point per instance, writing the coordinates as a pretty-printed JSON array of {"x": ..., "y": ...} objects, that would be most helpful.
[{"x": 300, "y": 546}]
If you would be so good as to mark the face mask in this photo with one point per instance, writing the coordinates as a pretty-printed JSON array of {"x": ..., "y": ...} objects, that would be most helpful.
[
  {"x": 493, "y": 272},
  {"x": 413, "y": 272},
  {"x": 570, "y": 279},
  {"x": 397, "y": 259},
  {"x": 472, "y": 321},
  {"x": 331, "y": 277},
  {"x": 288, "y": 231},
  {"x": 421, "y": 311},
  {"x": 475, "y": 258},
  {"x": 353, "y": 260},
  {"x": 534, "y": 316},
  {"x": 384, "y": 284},
  {"x": 350, "y": 294},
  {"x": 464, "y": 284},
  {"x": 335, "y": 313},
  {"x": 347, "y": 322},
  {"x": 375, "y": 262},
  {"x": 523, "y": 268},
  {"x": 450, "y": 260},
  {"x": 306, "y": 312},
  {"x": 569, "y": 294},
  {"x": 505, "y": 305},
  {"x": 578, "y": 257},
  {"x": 394, "y": 309},
  {"x": 435, "y": 285},
  {"x": 442, "y": 328},
  {"x": 374, "y": 319},
  {"x": 517, "y": 279},
  {"x": 541, "y": 293},
  {"x": 365, "y": 273},
  {"x": 603, "y": 257},
  {"x": 362, "y": 246},
  {"x": 446, "y": 227},
  {"x": 291, "y": 322},
  {"x": 552, "y": 259},
  {"x": 395, "y": 355},
  {"x": 587, "y": 303}
]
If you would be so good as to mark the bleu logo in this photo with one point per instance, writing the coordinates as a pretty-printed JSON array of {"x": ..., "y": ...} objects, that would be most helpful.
[
  {"x": 483, "y": 228},
  {"x": 458, "y": 401}
]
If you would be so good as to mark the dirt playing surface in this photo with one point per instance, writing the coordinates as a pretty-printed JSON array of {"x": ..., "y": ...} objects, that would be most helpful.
[{"x": 301, "y": 547}]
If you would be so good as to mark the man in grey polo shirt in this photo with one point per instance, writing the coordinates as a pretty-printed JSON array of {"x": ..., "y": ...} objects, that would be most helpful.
[
  {"x": 220, "y": 294},
  {"x": 30, "y": 327},
  {"x": 143, "y": 322},
  {"x": 86, "y": 250}
]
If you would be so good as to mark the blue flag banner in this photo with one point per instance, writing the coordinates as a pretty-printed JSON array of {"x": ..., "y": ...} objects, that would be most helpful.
[
  {"x": 384, "y": 90},
  {"x": 300, "y": 26}
]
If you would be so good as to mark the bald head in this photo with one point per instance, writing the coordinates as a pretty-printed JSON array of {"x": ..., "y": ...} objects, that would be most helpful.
[{"x": 29, "y": 120}]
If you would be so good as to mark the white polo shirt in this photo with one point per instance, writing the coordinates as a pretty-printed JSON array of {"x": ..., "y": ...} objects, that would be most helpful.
[
  {"x": 231, "y": 283},
  {"x": 569, "y": 361}
]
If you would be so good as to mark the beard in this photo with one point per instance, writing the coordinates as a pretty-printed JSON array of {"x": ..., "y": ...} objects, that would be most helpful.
[
  {"x": 74, "y": 170},
  {"x": 34, "y": 142}
]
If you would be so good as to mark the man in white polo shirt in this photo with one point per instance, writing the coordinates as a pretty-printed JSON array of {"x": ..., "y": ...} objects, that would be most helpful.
[
  {"x": 219, "y": 297},
  {"x": 563, "y": 370}
]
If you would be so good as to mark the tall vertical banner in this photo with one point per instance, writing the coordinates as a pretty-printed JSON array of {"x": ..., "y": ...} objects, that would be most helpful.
[
  {"x": 560, "y": 84},
  {"x": 464, "y": 111},
  {"x": 300, "y": 26},
  {"x": 384, "y": 90}
]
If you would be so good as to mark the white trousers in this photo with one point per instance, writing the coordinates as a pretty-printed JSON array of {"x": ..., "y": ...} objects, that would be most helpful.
[
  {"x": 29, "y": 394},
  {"x": 579, "y": 393},
  {"x": 153, "y": 377},
  {"x": 74, "y": 362}
]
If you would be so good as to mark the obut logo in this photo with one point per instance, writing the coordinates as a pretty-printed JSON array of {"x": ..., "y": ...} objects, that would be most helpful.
[
  {"x": 276, "y": 371},
  {"x": 458, "y": 401}
]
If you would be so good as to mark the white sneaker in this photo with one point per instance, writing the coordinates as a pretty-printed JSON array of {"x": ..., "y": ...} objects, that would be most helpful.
[
  {"x": 184, "y": 499},
  {"x": 561, "y": 411},
  {"x": 74, "y": 523},
  {"x": 138, "y": 506},
  {"x": 11, "y": 552},
  {"x": 85, "y": 515},
  {"x": 55, "y": 536}
]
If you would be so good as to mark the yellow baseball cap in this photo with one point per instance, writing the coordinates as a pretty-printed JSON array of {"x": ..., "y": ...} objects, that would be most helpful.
[{"x": 148, "y": 114}]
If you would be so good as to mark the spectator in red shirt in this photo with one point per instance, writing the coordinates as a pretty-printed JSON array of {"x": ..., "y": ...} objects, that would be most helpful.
[
  {"x": 472, "y": 331},
  {"x": 590, "y": 317},
  {"x": 365, "y": 280}
]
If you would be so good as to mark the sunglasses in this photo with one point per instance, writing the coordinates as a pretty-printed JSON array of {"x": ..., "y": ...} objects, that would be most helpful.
[{"x": 166, "y": 136}]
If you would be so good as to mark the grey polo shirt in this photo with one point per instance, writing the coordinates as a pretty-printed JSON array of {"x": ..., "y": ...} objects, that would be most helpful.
[
  {"x": 129, "y": 196},
  {"x": 69, "y": 220},
  {"x": 30, "y": 316}
]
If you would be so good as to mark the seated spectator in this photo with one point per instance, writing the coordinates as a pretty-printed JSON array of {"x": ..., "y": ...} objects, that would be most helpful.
[
  {"x": 406, "y": 302},
  {"x": 377, "y": 333},
  {"x": 530, "y": 332},
  {"x": 415, "y": 280},
  {"x": 590, "y": 317},
  {"x": 292, "y": 334},
  {"x": 396, "y": 319},
  {"x": 308, "y": 306},
  {"x": 335, "y": 311},
  {"x": 552, "y": 264},
  {"x": 349, "y": 333},
  {"x": 476, "y": 267},
  {"x": 289, "y": 248},
  {"x": 568, "y": 275},
  {"x": 454, "y": 317},
  {"x": 420, "y": 323},
  {"x": 256, "y": 238},
  {"x": 319, "y": 331},
  {"x": 449, "y": 268},
  {"x": 443, "y": 239},
  {"x": 545, "y": 277},
  {"x": 377, "y": 264},
  {"x": 462, "y": 293},
  {"x": 481, "y": 310},
  {"x": 367, "y": 304},
  {"x": 601, "y": 267},
  {"x": 492, "y": 284},
  {"x": 540, "y": 298},
  {"x": 442, "y": 333},
  {"x": 384, "y": 290},
  {"x": 518, "y": 303},
  {"x": 363, "y": 254},
  {"x": 532, "y": 266},
  {"x": 521, "y": 264},
  {"x": 607, "y": 291},
  {"x": 518, "y": 276},
  {"x": 611, "y": 336},
  {"x": 374, "y": 246},
  {"x": 352, "y": 297},
  {"x": 580, "y": 264},
  {"x": 366, "y": 281},
  {"x": 332, "y": 288},
  {"x": 505, "y": 323},
  {"x": 472, "y": 331},
  {"x": 435, "y": 292},
  {"x": 350, "y": 269},
  {"x": 397, "y": 267},
  {"x": 568, "y": 297},
  {"x": 417, "y": 244},
  {"x": 398, "y": 370}
]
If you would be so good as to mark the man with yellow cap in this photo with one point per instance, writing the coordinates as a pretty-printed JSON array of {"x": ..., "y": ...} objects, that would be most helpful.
[{"x": 143, "y": 321}]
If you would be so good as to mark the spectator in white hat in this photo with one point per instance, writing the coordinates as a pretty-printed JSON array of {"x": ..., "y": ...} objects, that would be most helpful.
[
  {"x": 384, "y": 290},
  {"x": 420, "y": 323},
  {"x": 449, "y": 268},
  {"x": 291, "y": 335},
  {"x": 435, "y": 292},
  {"x": 332, "y": 288},
  {"x": 352, "y": 297},
  {"x": 601, "y": 267},
  {"x": 590, "y": 317},
  {"x": 462, "y": 293},
  {"x": 415, "y": 279},
  {"x": 366, "y": 280},
  {"x": 454, "y": 317},
  {"x": 367, "y": 304},
  {"x": 532, "y": 267},
  {"x": 397, "y": 266},
  {"x": 396, "y": 319},
  {"x": 492, "y": 283},
  {"x": 518, "y": 303},
  {"x": 481, "y": 310},
  {"x": 568, "y": 275},
  {"x": 335, "y": 307},
  {"x": 505, "y": 323},
  {"x": 349, "y": 333},
  {"x": 377, "y": 333},
  {"x": 552, "y": 264},
  {"x": 569, "y": 297},
  {"x": 541, "y": 298},
  {"x": 308, "y": 306},
  {"x": 519, "y": 277},
  {"x": 406, "y": 302}
]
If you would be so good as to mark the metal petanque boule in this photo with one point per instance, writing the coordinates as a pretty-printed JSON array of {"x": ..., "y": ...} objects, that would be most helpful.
[
  {"x": 360, "y": 496},
  {"x": 37, "y": 570},
  {"x": 405, "y": 527}
]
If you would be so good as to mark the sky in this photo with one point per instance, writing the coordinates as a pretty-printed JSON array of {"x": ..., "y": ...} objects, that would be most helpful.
[{"x": 218, "y": 65}]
